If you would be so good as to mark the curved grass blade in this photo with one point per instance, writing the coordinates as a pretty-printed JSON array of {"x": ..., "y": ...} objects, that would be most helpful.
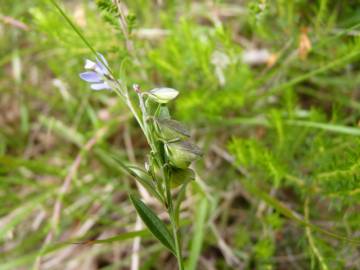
[
  {"x": 281, "y": 208},
  {"x": 29, "y": 258},
  {"x": 154, "y": 224}
]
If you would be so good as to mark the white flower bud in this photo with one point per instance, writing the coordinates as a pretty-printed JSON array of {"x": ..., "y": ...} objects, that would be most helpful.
[{"x": 163, "y": 95}]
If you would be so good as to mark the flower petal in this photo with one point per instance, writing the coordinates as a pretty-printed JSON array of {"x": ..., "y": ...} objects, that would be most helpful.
[
  {"x": 102, "y": 58},
  {"x": 100, "y": 86},
  {"x": 102, "y": 64},
  {"x": 90, "y": 76},
  {"x": 100, "y": 69},
  {"x": 89, "y": 64}
]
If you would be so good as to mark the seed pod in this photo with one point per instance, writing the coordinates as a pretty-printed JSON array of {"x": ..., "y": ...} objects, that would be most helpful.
[
  {"x": 171, "y": 129},
  {"x": 163, "y": 95},
  {"x": 182, "y": 153},
  {"x": 181, "y": 176}
]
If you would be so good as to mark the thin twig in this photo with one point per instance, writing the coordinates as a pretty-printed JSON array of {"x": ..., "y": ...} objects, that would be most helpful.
[
  {"x": 13, "y": 22},
  {"x": 227, "y": 252}
]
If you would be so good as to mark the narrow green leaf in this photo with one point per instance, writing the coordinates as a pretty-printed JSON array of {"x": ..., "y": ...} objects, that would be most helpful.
[
  {"x": 145, "y": 180},
  {"x": 341, "y": 129},
  {"x": 198, "y": 238},
  {"x": 29, "y": 258},
  {"x": 72, "y": 25},
  {"x": 154, "y": 224},
  {"x": 117, "y": 238},
  {"x": 138, "y": 176}
]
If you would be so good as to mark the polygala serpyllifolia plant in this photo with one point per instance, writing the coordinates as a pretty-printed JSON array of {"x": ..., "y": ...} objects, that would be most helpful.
[{"x": 171, "y": 151}]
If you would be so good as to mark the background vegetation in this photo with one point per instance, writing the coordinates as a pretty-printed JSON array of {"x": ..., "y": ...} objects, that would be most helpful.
[{"x": 270, "y": 90}]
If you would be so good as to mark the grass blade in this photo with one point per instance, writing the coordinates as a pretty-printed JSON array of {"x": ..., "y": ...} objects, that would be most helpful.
[
  {"x": 283, "y": 209},
  {"x": 198, "y": 238}
]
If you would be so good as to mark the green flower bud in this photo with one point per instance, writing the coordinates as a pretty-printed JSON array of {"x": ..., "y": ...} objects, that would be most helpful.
[
  {"x": 181, "y": 176},
  {"x": 163, "y": 95},
  {"x": 182, "y": 153},
  {"x": 170, "y": 129}
]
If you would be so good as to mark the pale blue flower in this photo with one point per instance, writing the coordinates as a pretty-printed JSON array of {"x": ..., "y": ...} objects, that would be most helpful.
[{"x": 97, "y": 74}]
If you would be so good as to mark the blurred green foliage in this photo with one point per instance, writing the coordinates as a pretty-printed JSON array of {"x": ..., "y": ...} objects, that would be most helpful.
[{"x": 269, "y": 88}]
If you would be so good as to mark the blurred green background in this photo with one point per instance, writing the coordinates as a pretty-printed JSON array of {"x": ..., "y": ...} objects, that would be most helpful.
[{"x": 270, "y": 90}]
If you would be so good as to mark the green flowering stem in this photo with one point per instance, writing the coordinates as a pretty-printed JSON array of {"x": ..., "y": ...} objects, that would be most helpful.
[
  {"x": 166, "y": 176},
  {"x": 176, "y": 238}
]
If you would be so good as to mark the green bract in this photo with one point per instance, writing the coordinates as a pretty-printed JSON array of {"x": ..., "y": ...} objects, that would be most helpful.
[
  {"x": 181, "y": 176},
  {"x": 182, "y": 153},
  {"x": 171, "y": 129},
  {"x": 140, "y": 173},
  {"x": 163, "y": 95}
]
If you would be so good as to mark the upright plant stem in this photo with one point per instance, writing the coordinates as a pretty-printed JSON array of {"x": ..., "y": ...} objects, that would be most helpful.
[
  {"x": 174, "y": 227},
  {"x": 177, "y": 241}
]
